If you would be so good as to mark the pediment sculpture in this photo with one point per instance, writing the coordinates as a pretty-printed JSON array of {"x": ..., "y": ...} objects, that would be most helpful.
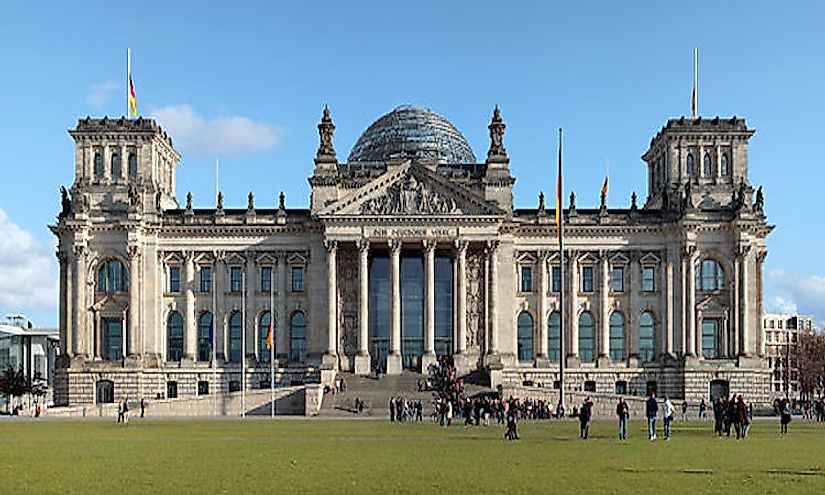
[{"x": 410, "y": 196}]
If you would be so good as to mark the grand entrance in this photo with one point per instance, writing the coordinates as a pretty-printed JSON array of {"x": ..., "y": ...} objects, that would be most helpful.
[{"x": 412, "y": 285}]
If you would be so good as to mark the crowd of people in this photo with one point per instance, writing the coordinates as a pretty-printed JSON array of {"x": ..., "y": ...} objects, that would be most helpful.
[
  {"x": 402, "y": 409},
  {"x": 734, "y": 413}
]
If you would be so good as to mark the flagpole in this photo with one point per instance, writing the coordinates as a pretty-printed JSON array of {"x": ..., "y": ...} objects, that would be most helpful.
[
  {"x": 696, "y": 78},
  {"x": 243, "y": 343},
  {"x": 271, "y": 341},
  {"x": 217, "y": 188},
  {"x": 128, "y": 78},
  {"x": 560, "y": 226}
]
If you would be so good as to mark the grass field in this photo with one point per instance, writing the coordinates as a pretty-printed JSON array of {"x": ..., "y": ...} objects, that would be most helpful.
[{"x": 326, "y": 456}]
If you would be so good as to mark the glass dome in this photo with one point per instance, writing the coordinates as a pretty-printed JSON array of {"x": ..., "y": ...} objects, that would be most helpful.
[{"x": 414, "y": 133}]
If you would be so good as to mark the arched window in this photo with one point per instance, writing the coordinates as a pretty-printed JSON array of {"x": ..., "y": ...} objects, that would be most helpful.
[
  {"x": 98, "y": 164},
  {"x": 205, "y": 332},
  {"x": 525, "y": 337},
  {"x": 586, "y": 333},
  {"x": 647, "y": 339},
  {"x": 706, "y": 165},
  {"x": 689, "y": 166},
  {"x": 116, "y": 168},
  {"x": 112, "y": 277},
  {"x": 298, "y": 337},
  {"x": 554, "y": 336},
  {"x": 235, "y": 337},
  {"x": 710, "y": 276},
  {"x": 132, "y": 165},
  {"x": 263, "y": 331},
  {"x": 724, "y": 164},
  {"x": 616, "y": 337},
  {"x": 174, "y": 337}
]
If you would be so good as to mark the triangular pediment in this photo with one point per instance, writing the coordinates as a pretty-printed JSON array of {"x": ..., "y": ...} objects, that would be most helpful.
[{"x": 411, "y": 190}]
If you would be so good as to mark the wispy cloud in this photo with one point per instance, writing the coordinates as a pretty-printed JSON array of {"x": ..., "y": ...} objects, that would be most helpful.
[
  {"x": 805, "y": 293},
  {"x": 198, "y": 135},
  {"x": 100, "y": 93},
  {"x": 28, "y": 278}
]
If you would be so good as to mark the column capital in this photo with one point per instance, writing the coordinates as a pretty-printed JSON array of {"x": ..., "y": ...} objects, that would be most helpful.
[
  {"x": 492, "y": 246},
  {"x": 134, "y": 251},
  {"x": 395, "y": 245},
  {"x": 429, "y": 245},
  {"x": 544, "y": 255},
  {"x": 742, "y": 251},
  {"x": 80, "y": 251},
  {"x": 330, "y": 245},
  {"x": 461, "y": 245},
  {"x": 363, "y": 244},
  {"x": 691, "y": 252}
]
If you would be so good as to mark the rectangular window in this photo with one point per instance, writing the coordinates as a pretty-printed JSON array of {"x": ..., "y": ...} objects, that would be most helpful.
[
  {"x": 771, "y": 324},
  {"x": 235, "y": 279},
  {"x": 556, "y": 279},
  {"x": 779, "y": 324},
  {"x": 206, "y": 279},
  {"x": 710, "y": 337},
  {"x": 112, "y": 339},
  {"x": 648, "y": 279},
  {"x": 266, "y": 279},
  {"x": 526, "y": 279},
  {"x": 587, "y": 279},
  {"x": 203, "y": 387},
  {"x": 617, "y": 279},
  {"x": 174, "y": 279},
  {"x": 297, "y": 279}
]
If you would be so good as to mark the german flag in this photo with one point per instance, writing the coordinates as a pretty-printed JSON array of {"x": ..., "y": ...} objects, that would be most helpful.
[
  {"x": 269, "y": 335},
  {"x": 132, "y": 100}
]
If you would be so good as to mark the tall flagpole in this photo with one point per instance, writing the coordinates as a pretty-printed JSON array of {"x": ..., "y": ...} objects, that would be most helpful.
[
  {"x": 560, "y": 227},
  {"x": 243, "y": 343},
  {"x": 271, "y": 341},
  {"x": 217, "y": 188},
  {"x": 128, "y": 82},
  {"x": 694, "y": 107}
]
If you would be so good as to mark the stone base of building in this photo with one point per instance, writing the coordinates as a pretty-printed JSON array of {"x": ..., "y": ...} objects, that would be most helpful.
[
  {"x": 394, "y": 366},
  {"x": 426, "y": 360},
  {"x": 363, "y": 364}
]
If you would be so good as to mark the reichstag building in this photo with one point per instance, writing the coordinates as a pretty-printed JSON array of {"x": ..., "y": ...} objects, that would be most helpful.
[{"x": 410, "y": 249}]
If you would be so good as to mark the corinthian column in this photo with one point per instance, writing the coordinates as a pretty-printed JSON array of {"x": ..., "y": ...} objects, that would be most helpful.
[
  {"x": 394, "y": 357},
  {"x": 493, "y": 254},
  {"x": 461, "y": 345},
  {"x": 189, "y": 326},
  {"x": 135, "y": 282},
  {"x": 745, "y": 330},
  {"x": 330, "y": 356},
  {"x": 572, "y": 311},
  {"x": 542, "y": 316},
  {"x": 690, "y": 311},
  {"x": 429, "y": 305},
  {"x": 362, "y": 359},
  {"x": 604, "y": 316},
  {"x": 80, "y": 331}
]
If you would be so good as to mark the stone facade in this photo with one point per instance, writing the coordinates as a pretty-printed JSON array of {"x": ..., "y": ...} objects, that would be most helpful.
[{"x": 668, "y": 294}]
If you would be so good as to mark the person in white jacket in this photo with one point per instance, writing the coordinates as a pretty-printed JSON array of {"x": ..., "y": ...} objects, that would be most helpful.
[{"x": 668, "y": 411}]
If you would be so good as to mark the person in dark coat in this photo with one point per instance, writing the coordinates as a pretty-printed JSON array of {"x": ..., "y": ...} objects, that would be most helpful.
[
  {"x": 651, "y": 410},
  {"x": 742, "y": 419},
  {"x": 622, "y": 412},
  {"x": 392, "y": 409},
  {"x": 784, "y": 416},
  {"x": 512, "y": 425},
  {"x": 585, "y": 412},
  {"x": 718, "y": 415}
]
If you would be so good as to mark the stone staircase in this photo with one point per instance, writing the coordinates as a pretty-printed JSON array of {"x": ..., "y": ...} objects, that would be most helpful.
[{"x": 376, "y": 393}]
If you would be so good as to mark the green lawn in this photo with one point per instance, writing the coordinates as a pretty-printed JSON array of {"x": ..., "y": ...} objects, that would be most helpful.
[{"x": 324, "y": 456}]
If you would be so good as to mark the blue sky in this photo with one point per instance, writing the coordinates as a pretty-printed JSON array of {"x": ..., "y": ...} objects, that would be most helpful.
[{"x": 246, "y": 82}]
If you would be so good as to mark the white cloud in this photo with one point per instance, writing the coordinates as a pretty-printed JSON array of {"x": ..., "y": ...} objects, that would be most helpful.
[
  {"x": 222, "y": 135},
  {"x": 780, "y": 305},
  {"x": 101, "y": 92},
  {"x": 28, "y": 269},
  {"x": 804, "y": 292}
]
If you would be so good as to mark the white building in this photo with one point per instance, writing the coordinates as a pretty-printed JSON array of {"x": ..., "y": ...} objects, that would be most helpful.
[{"x": 781, "y": 335}]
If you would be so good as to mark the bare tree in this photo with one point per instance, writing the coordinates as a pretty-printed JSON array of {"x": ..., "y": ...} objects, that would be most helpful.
[{"x": 812, "y": 364}]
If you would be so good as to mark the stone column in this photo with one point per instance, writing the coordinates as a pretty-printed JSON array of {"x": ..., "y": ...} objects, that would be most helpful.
[
  {"x": 80, "y": 332},
  {"x": 461, "y": 344},
  {"x": 362, "y": 359},
  {"x": 690, "y": 310},
  {"x": 219, "y": 286},
  {"x": 735, "y": 285},
  {"x": 250, "y": 310},
  {"x": 744, "y": 330},
  {"x": 394, "y": 357},
  {"x": 97, "y": 336},
  {"x": 760, "y": 294},
  {"x": 429, "y": 305},
  {"x": 135, "y": 283},
  {"x": 542, "y": 313},
  {"x": 604, "y": 311},
  {"x": 331, "y": 354},
  {"x": 189, "y": 325},
  {"x": 572, "y": 314},
  {"x": 492, "y": 251},
  {"x": 66, "y": 304},
  {"x": 282, "y": 334}
]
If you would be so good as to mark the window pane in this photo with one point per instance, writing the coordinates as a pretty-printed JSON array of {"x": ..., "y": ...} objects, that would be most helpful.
[
  {"x": 525, "y": 337},
  {"x": 616, "y": 337},
  {"x": 266, "y": 279},
  {"x": 235, "y": 279},
  {"x": 263, "y": 332},
  {"x": 587, "y": 279},
  {"x": 586, "y": 335},
  {"x": 112, "y": 339},
  {"x": 648, "y": 278},
  {"x": 526, "y": 279},
  {"x": 205, "y": 337},
  {"x": 174, "y": 335},
  {"x": 710, "y": 330},
  {"x": 553, "y": 336},
  {"x": 297, "y": 279},
  {"x": 556, "y": 279},
  {"x": 206, "y": 279},
  {"x": 297, "y": 341},
  {"x": 647, "y": 344},
  {"x": 617, "y": 282},
  {"x": 235, "y": 336},
  {"x": 174, "y": 279}
]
